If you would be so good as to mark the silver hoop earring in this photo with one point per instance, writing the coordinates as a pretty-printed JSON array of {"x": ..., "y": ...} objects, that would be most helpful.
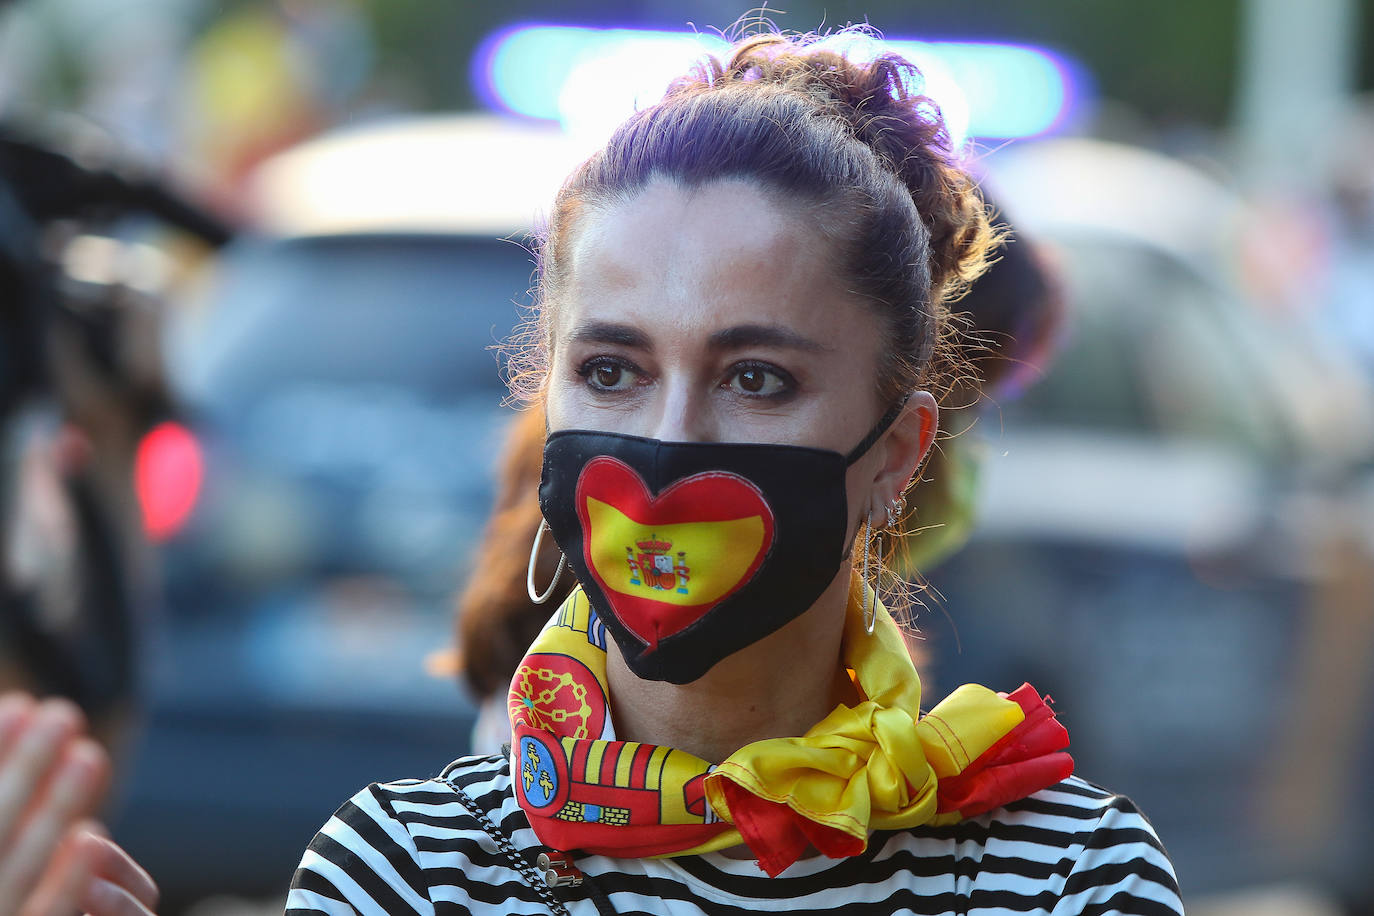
[
  {"x": 529, "y": 571},
  {"x": 870, "y": 608}
]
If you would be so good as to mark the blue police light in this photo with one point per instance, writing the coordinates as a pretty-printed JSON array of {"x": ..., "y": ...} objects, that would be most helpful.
[
  {"x": 527, "y": 69},
  {"x": 590, "y": 79},
  {"x": 1011, "y": 90}
]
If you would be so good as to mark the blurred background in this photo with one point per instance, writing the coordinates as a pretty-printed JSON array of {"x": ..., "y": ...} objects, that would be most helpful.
[{"x": 255, "y": 258}]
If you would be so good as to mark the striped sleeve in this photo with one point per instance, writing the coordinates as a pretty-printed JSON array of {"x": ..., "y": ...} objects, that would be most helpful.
[
  {"x": 363, "y": 862},
  {"x": 1123, "y": 869}
]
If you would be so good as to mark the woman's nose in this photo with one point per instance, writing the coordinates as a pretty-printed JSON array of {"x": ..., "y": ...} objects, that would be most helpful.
[{"x": 683, "y": 413}]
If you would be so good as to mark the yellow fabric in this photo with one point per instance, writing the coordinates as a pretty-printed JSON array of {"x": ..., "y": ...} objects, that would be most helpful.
[{"x": 874, "y": 765}]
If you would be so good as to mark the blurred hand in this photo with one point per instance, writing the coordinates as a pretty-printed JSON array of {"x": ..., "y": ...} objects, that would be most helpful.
[{"x": 53, "y": 860}]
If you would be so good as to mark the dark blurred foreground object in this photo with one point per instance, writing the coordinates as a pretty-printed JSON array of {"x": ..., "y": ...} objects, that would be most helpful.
[{"x": 80, "y": 387}]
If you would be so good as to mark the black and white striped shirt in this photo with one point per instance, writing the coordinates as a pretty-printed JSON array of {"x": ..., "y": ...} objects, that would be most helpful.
[{"x": 414, "y": 846}]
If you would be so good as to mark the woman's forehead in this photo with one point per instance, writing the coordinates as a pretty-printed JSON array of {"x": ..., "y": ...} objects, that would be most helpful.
[{"x": 729, "y": 247}]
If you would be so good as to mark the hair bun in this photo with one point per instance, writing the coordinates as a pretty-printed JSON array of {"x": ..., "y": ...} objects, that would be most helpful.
[{"x": 878, "y": 96}]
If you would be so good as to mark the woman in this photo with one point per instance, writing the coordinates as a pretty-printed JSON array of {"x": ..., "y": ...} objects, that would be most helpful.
[
  {"x": 1009, "y": 323},
  {"x": 739, "y": 352}
]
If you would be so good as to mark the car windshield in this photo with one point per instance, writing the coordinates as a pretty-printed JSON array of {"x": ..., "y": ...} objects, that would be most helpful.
[{"x": 418, "y": 312}]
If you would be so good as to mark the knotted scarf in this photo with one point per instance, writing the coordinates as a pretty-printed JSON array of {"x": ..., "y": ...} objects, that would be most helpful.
[{"x": 876, "y": 765}]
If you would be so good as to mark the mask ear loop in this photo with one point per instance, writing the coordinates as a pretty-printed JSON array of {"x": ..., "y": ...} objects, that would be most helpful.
[
  {"x": 876, "y": 433},
  {"x": 529, "y": 571}
]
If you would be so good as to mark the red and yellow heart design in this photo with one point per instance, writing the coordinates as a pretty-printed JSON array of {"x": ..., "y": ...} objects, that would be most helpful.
[{"x": 663, "y": 560}]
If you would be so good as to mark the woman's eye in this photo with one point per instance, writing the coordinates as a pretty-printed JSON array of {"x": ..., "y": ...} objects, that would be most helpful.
[
  {"x": 606, "y": 375},
  {"x": 758, "y": 381}
]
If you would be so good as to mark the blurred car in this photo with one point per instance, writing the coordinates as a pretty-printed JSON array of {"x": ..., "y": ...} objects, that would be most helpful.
[
  {"x": 341, "y": 369},
  {"x": 1160, "y": 524}
]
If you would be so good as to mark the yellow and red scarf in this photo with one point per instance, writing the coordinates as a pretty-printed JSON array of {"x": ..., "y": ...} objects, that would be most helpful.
[{"x": 876, "y": 765}]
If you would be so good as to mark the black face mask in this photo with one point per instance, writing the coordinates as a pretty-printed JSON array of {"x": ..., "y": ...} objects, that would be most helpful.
[{"x": 690, "y": 551}]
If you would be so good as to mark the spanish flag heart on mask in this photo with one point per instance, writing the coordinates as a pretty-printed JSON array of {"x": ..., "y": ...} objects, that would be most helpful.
[
  {"x": 664, "y": 560},
  {"x": 690, "y": 551}
]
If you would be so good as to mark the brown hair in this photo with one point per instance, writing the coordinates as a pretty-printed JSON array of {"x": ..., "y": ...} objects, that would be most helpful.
[
  {"x": 851, "y": 141},
  {"x": 1014, "y": 315},
  {"x": 497, "y": 621}
]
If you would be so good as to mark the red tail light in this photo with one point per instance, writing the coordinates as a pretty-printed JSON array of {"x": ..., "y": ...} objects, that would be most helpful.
[{"x": 168, "y": 470}]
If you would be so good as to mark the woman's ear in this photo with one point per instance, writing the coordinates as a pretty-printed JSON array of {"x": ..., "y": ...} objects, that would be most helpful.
[{"x": 906, "y": 445}]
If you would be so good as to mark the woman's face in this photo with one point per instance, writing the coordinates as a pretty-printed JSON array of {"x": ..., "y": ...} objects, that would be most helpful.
[{"x": 715, "y": 315}]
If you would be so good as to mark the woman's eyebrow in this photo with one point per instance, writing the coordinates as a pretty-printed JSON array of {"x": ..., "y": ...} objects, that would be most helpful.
[
  {"x": 607, "y": 333},
  {"x": 763, "y": 335}
]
